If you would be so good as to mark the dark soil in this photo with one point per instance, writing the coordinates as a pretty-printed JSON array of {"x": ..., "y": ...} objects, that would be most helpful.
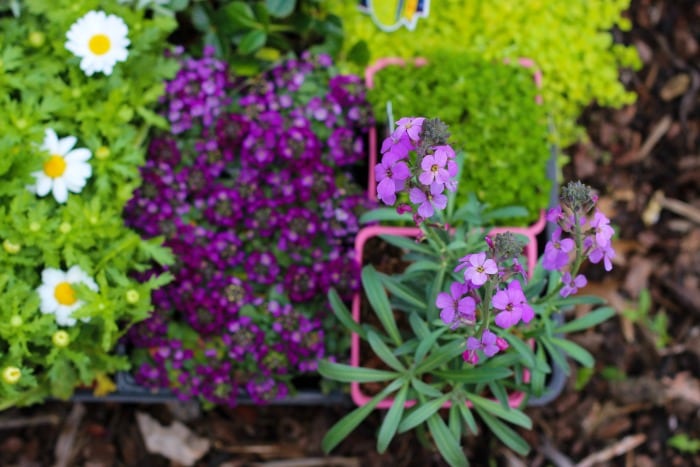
[{"x": 645, "y": 389}]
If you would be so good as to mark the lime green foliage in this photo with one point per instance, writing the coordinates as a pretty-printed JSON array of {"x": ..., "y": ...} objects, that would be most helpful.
[
  {"x": 42, "y": 86},
  {"x": 492, "y": 115},
  {"x": 569, "y": 41},
  {"x": 684, "y": 443}
]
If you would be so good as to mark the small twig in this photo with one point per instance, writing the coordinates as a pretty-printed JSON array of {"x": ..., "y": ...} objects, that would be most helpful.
[
  {"x": 9, "y": 424},
  {"x": 313, "y": 462},
  {"x": 626, "y": 444},
  {"x": 657, "y": 132},
  {"x": 263, "y": 450},
  {"x": 63, "y": 452},
  {"x": 553, "y": 454}
]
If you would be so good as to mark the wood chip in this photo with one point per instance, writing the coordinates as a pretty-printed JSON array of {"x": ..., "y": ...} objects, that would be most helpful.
[
  {"x": 65, "y": 444},
  {"x": 675, "y": 87}
]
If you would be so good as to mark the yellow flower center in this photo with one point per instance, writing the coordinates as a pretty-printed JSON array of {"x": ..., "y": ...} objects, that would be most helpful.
[
  {"x": 11, "y": 374},
  {"x": 64, "y": 293},
  {"x": 99, "y": 44},
  {"x": 55, "y": 166}
]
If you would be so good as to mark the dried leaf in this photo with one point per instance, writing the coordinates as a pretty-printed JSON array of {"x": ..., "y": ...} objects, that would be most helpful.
[
  {"x": 684, "y": 387},
  {"x": 176, "y": 442}
]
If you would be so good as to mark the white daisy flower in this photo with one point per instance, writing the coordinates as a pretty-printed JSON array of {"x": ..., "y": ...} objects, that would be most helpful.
[
  {"x": 58, "y": 295},
  {"x": 65, "y": 170},
  {"x": 99, "y": 40}
]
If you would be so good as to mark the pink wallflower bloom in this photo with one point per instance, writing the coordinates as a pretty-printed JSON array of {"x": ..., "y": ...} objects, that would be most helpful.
[
  {"x": 526, "y": 311},
  {"x": 400, "y": 146},
  {"x": 556, "y": 252},
  {"x": 409, "y": 126},
  {"x": 434, "y": 169},
  {"x": 554, "y": 214},
  {"x": 602, "y": 229},
  {"x": 571, "y": 286},
  {"x": 478, "y": 268},
  {"x": 391, "y": 174},
  {"x": 454, "y": 305},
  {"x": 487, "y": 344},
  {"x": 470, "y": 356},
  {"x": 502, "y": 344},
  {"x": 605, "y": 253},
  {"x": 425, "y": 200},
  {"x": 509, "y": 302},
  {"x": 403, "y": 208}
]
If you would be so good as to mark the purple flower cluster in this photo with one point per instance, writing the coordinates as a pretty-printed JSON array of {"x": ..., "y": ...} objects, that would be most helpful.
[
  {"x": 255, "y": 201},
  {"x": 578, "y": 235},
  {"x": 492, "y": 294},
  {"x": 425, "y": 176}
]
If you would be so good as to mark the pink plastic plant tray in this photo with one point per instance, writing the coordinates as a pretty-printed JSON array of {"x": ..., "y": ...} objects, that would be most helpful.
[
  {"x": 531, "y": 231},
  {"x": 358, "y": 396}
]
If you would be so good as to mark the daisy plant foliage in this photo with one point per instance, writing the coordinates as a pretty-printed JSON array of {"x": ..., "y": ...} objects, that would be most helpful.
[{"x": 78, "y": 83}]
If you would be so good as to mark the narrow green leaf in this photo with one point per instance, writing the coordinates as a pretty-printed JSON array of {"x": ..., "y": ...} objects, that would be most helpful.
[
  {"x": 383, "y": 215},
  {"x": 525, "y": 351},
  {"x": 509, "y": 437},
  {"x": 427, "y": 343},
  {"x": 407, "y": 244},
  {"x": 252, "y": 41},
  {"x": 441, "y": 356},
  {"x": 474, "y": 375},
  {"x": 448, "y": 446},
  {"x": 556, "y": 355},
  {"x": 391, "y": 420},
  {"x": 586, "y": 322},
  {"x": 344, "y": 426},
  {"x": 508, "y": 212},
  {"x": 514, "y": 416},
  {"x": 419, "y": 327},
  {"x": 468, "y": 418},
  {"x": 347, "y": 373},
  {"x": 499, "y": 393},
  {"x": 422, "y": 412},
  {"x": 577, "y": 300},
  {"x": 343, "y": 314},
  {"x": 425, "y": 388},
  {"x": 383, "y": 351},
  {"x": 455, "y": 422},
  {"x": 575, "y": 351},
  {"x": 402, "y": 292},
  {"x": 380, "y": 302},
  {"x": 421, "y": 266}
]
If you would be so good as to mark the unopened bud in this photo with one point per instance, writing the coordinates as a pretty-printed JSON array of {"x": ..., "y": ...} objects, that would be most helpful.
[{"x": 11, "y": 374}]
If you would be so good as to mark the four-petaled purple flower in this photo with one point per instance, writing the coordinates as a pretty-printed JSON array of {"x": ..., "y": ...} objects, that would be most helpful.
[
  {"x": 391, "y": 174},
  {"x": 488, "y": 344},
  {"x": 605, "y": 253},
  {"x": 427, "y": 201},
  {"x": 571, "y": 286},
  {"x": 556, "y": 252},
  {"x": 478, "y": 268},
  {"x": 409, "y": 126},
  {"x": 455, "y": 307}
]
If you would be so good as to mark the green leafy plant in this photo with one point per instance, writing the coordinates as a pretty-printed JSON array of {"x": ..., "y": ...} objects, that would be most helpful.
[
  {"x": 250, "y": 35},
  {"x": 493, "y": 116},
  {"x": 459, "y": 329},
  {"x": 570, "y": 41},
  {"x": 72, "y": 141},
  {"x": 684, "y": 443},
  {"x": 657, "y": 325}
]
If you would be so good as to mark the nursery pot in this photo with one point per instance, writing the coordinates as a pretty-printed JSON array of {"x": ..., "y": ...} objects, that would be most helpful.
[
  {"x": 530, "y": 231},
  {"x": 357, "y": 392}
]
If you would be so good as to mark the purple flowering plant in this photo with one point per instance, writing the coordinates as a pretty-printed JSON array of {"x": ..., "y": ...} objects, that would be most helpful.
[
  {"x": 253, "y": 192},
  {"x": 482, "y": 331}
]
